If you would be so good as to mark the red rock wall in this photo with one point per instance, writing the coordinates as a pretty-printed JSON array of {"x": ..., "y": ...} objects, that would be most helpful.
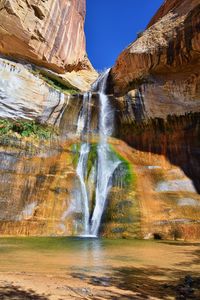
[
  {"x": 48, "y": 33},
  {"x": 170, "y": 46},
  {"x": 179, "y": 6}
]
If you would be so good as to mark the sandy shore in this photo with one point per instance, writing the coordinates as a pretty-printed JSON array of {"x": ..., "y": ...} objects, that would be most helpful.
[{"x": 25, "y": 286}]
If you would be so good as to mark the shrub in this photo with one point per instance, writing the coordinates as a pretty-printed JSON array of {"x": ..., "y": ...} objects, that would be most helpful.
[{"x": 26, "y": 129}]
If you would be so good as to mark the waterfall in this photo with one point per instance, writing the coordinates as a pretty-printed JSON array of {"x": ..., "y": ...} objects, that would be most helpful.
[
  {"x": 85, "y": 148},
  {"x": 106, "y": 163},
  {"x": 84, "y": 125},
  {"x": 106, "y": 166},
  {"x": 84, "y": 116}
]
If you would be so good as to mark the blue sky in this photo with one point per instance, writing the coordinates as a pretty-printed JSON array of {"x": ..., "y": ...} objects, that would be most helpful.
[{"x": 111, "y": 25}]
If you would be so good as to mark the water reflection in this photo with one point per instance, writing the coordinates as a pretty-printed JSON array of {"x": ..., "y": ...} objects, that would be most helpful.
[{"x": 92, "y": 255}]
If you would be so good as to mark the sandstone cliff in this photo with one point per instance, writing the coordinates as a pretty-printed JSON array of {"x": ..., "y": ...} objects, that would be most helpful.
[
  {"x": 163, "y": 63},
  {"x": 26, "y": 96},
  {"x": 41, "y": 42},
  {"x": 156, "y": 81},
  {"x": 159, "y": 195},
  {"x": 49, "y": 33}
]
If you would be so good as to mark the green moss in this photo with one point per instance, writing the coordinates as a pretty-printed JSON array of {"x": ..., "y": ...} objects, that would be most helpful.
[
  {"x": 56, "y": 84},
  {"x": 92, "y": 157},
  {"x": 25, "y": 129},
  {"x": 129, "y": 177},
  {"x": 59, "y": 86},
  {"x": 75, "y": 148},
  {"x": 121, "y": 217}
]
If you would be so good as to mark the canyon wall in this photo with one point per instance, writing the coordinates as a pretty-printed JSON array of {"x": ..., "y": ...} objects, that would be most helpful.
[
  {"x": 43, "y": 68},
  {"x": 158, "y": 197},
  {"x": 24, "y": 95},
  {"x": 163, "y": 63},
  {"x": 36, "y": 179},
  {"x": 154, "y": 91},
  {"x": 42, "y": 57},
  {"x": 48, "y": 33},
  {"x": 28, "y": 94},
  {"x": 156, "y": 83}
]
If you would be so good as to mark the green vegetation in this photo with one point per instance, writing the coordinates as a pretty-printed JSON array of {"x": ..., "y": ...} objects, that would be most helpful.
[
  {"x": 54, "y": 83},
  {"x": 129, "y": 175},
  {"x": 58, "y": 85},
  {"x": 75, "y": 148},
  {"x": 122, "y": 215},
  {"x": 92, "y": 157},
  {"x": 23, "y": 128}
]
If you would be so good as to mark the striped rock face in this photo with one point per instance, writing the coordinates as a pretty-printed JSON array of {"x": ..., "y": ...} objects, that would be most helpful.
[
  {"x": 167, "y": 51},
  {"x": 48, "y": 33}
]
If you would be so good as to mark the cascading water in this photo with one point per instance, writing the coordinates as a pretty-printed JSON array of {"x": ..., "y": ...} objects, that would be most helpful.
[
  {"x": 106, "y": 162},
  {"x": 84, "y": 126},
  {"x": 106, "y": 166},
  {"x": 81, "y": 167}
]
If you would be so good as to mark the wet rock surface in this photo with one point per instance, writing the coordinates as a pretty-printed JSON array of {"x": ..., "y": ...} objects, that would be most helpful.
[
  {"x": 30, "y": 180},
  {"x": 24, "y": 95}
]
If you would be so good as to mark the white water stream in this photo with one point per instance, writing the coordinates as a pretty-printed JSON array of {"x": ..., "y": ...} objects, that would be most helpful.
[{"x": 106, "y": 164}]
